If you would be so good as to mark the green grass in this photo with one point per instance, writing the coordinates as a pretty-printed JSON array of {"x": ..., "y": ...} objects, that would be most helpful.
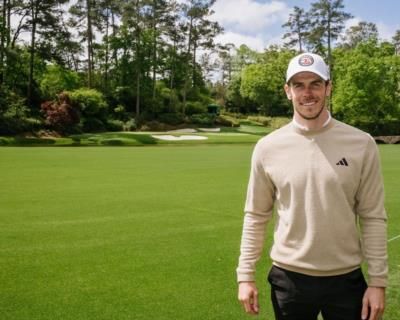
[
  {"x": 136, "y": 233},
  {"x": 245, "y": 134}
]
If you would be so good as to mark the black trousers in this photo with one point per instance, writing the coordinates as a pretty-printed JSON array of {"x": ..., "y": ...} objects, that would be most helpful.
[{"x": 296, "y": 296}]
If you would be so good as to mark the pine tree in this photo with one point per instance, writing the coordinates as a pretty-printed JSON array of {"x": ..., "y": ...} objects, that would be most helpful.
[{"x": 298, "y": 25}]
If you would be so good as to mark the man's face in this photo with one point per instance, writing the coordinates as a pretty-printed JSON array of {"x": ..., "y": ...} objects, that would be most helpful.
[{"x": 308, "y": 93}]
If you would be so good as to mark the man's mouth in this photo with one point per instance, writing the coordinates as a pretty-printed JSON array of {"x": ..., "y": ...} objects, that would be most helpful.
[{"x": 310, "y": 103}]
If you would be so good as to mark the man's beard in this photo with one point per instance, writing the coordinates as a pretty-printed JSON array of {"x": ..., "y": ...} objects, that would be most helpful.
[{"x": 313, "y": 117}]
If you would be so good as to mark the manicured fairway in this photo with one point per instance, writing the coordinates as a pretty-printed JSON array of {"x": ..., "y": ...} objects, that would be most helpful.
[{"x": 136, "y": 232}]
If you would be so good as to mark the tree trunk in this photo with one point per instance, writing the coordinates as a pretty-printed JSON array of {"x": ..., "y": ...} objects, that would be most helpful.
[
  {"x": 106, "y": 55},
  {"x": 154, "y": 47},
  {"x": 34, "y": 12},
  {"x": 89, "y": 41},
  {"x": 138, "y": 58},
  {"x": 3, "y": 41},
  {"x": 185, "y": 87},
  {"x": 194, "y": 63},
  {"x": 330, "y": 63},
  {"x": 114, "y": 32}
]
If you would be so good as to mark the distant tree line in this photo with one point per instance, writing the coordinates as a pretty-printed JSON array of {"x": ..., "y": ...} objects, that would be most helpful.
[
  {"x": 92, "y": 65},
  {"x": 364, "y": 69}
]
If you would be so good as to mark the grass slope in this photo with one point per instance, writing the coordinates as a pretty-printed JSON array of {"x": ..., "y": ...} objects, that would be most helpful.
[
  {"x": 135, "y": 233},
  {"x": 239, "y": 135}
]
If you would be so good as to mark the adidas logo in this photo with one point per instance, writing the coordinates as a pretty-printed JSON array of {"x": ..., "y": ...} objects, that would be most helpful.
[{"x": 342, "y": 162}]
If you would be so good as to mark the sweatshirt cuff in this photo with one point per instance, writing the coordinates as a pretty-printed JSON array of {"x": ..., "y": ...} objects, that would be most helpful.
[
  {"x": 377, "y": 282},
  {"x": 245, "y": 277}
]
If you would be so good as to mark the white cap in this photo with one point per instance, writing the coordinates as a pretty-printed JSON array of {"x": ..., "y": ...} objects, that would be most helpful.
[{"x": 310, "y": 62}]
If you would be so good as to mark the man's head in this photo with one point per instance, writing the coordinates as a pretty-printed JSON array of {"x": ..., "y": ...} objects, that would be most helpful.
[
  {"x": 307, "y": 62},
  {"x": 308, "y": 85}
]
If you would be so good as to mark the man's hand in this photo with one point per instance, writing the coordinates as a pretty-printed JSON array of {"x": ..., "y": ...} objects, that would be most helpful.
[
  {"x": 373, "y": 303},
  {"x": 248, "y": 297}
]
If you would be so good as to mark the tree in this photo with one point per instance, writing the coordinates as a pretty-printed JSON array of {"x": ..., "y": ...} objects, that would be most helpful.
[
  {"x": 367, "y": 83},
  {"x": 298, "y": 25},
  {"x": 200, "y": 34},
  {"x": 396, "y": 42},
  {"x": 362, "y": 32},
  {"x": 42, "y": 17},
  {"x": 262, "y": 83},
  {"x": 327, "y": 23}
]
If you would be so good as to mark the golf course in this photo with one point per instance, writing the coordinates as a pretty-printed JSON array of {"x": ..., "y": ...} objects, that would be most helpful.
[{"x": 152, "y": 232}]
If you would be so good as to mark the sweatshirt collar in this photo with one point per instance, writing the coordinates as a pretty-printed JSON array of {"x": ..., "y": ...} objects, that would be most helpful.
[{"x": 304, "y": 128}]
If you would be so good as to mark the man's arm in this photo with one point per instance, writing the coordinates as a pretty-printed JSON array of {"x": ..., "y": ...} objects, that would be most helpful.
[
  {"x": 258, "y": 211},
  {"x": 370, "y": 208}
]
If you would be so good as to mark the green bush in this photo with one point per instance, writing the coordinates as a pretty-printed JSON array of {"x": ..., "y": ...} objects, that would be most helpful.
[
  {"x": 93, "y": 125},
  {"x": 278, "y": 122},
  {"x": 260, "y": 119},
  {"x": 171, "y": 118},
  {"x": 130, "y": 125},
  {"x": 227, "y": 121},
  {"x": 14, "y": 115},
  {"x": 195, "y": 107},
  {"x": 379, "y": 128},
  {"x": 114, "y": 125},
  {"x": 89, "y": 101},
  {"x": 56, "y": 79},
  {"x": 203, "y": 119}
]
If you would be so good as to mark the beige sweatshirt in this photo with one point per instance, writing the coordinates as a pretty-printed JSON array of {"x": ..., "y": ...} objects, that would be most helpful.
[{"x": 327, "y": 188}]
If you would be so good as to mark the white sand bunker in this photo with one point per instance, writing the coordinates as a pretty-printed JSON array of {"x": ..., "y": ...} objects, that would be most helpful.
[
  {"x": 210, "y": 129},
  {"x": 178, "y": 138}
]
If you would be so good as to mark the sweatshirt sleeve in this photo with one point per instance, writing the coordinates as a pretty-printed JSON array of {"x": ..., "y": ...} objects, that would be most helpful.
[
  {"x": 370, "y": 208},
  {"x": 258, "y": 211}
]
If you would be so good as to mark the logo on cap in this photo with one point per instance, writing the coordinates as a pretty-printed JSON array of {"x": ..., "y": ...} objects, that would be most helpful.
[{"x": 306, "y": 60}]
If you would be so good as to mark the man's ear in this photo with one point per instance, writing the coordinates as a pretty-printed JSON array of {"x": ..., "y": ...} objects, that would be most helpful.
[
  {"x": 287, "y": 90},
  {"x": 328, "y": 90}
]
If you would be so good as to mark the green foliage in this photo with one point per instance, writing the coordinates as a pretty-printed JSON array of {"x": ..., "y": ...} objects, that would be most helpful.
[
  {"x": 227, "y": 121},
  {"x": 57, "y": 79},
  {"x": 195, "y": 107},
  {"x": 114, "y": 125},
  {"x": 171, "y": 118},
  {"x": 366, "y": 85},
  {"x": 203, "y": 119},
  {"x": 262, "y": 83},
  {"x": 89, "y": 101},
  {"x": 14, "y": 115}
]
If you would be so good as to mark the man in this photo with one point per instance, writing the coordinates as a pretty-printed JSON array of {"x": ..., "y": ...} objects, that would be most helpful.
[{"x": 324, "y": 179}]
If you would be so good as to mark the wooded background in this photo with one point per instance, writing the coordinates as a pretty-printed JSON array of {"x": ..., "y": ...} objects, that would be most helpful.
[{"x": 96, "y": 65}]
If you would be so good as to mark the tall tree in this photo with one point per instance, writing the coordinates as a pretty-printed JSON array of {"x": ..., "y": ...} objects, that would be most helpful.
[
  {"x": 396, "y": 42},
  {"x": 362, "y": 32},
  {"x": 42, "y": 17},
  {"x": 298, "y": 25},
  {"x": 201, "y": 33},
  {"x": 327, "y": 24},
  {"x": 83, "y": 15}
]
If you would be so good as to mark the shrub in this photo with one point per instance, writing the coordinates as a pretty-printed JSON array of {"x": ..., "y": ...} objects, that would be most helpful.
[
  {"x": 195, "y": 108},
  {"x": 93, "y": 125},
  {"x": 12, "y": 126},
  {"x": 114, "y": 125},
  {"x": 260, "y": 119},
  {"x": 379, "y": 128},
  {"x": 227, "y": 121},
  {"x": 60, "y": 114},
  {"x": 56, "y": 79},
  {"x": 278, "y": 122},
  {"x": 204, "y": 119},
  {"x": 171, "y": 118},
  {"x": 89, "y": 101},
  {"x": 130, "y": 125}
]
